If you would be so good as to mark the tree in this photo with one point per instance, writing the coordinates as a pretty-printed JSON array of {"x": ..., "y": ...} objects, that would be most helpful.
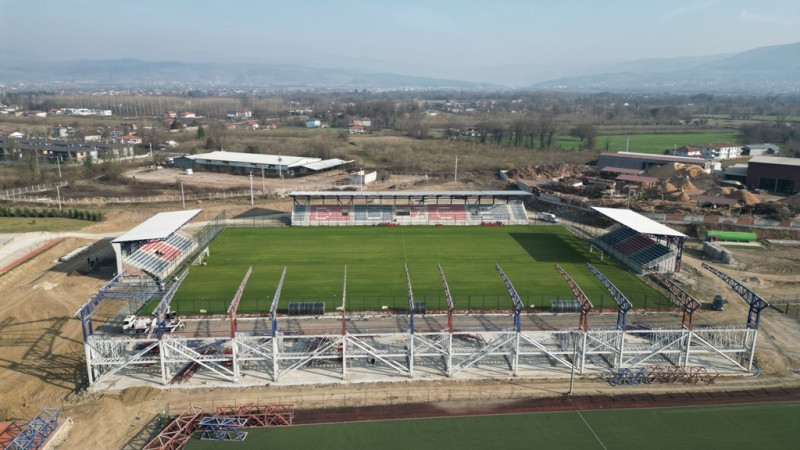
[
  {"x": 587, "y": 133},
  {"x": 201, "y": 133}
]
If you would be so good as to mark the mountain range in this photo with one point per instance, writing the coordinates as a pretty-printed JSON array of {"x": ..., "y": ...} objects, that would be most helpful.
[{"x": 774, "y": 69}]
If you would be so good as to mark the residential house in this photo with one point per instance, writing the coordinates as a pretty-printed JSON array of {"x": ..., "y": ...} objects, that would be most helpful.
[
  {"x": 171, "y": 114},
  {"x": 356, "y": 129},
  {"x": 131, "y": 139},
  {"x": 37, "y": 113},
  {"x": 240, "y": 114},
  {"x": 365, "y": 122},
  {"x": 16, "y": 135},
  {"x": 188, "y": 115},
  {"x": 88, "y": 135},
  {"x": 688, "y": 151},
  {"x": 721, "y": 150},
  {"x": 313, "y": 123}
]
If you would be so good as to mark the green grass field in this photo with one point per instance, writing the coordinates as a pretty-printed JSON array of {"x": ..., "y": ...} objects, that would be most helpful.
[
  {"x": 26, "y": 224},
  {"x": 768, "y": 426},
  {"x": 653, "y": 143},
  {"x": 315, "y": 258}
]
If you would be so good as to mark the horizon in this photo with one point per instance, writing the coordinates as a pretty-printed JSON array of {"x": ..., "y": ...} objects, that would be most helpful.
[{"x": 465, "y": 40}]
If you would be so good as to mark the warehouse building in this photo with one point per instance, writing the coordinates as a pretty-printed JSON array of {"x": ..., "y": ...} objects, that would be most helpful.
[
  {"x": 643, "y": 161},
  {"x": 236, "y": 162},
  {"x": 774, "y": 174}
]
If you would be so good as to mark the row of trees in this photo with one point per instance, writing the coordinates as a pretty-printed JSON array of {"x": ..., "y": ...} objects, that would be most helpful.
[{"x": 79, "y": 214}]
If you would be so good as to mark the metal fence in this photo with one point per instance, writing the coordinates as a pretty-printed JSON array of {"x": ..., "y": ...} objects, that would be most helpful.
[
  {"x": 786, "y": 304},
  {"x": 20, "y": 192},
  {"x": 399, "y": 303}
]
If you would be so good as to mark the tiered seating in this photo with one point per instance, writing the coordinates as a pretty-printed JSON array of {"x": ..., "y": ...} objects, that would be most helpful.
[
  {"x": 518, "y": 211},
  {"x": 617, "y": 235},
  {"x": 161, "y": 249},
  {"x": 329, "y": 214},
  {"x": 147, "y": 262},
  {"x": 373, "y": 213},
  {"x": 447, "y": 213},
  {"x": 650, "y": 254},
  {"x": 300, "y": 214},
  {"x": 635, "y": 244}
]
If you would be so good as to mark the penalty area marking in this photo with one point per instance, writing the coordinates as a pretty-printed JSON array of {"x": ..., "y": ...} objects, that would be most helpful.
[{"x": 590, "y": 429}]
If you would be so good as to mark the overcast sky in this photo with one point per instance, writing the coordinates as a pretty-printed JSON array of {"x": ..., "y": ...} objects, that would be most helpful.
[{"x": 433, "y": 38}]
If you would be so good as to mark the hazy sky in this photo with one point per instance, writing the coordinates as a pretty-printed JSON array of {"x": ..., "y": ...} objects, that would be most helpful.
[{"x": 434, "y": 38}]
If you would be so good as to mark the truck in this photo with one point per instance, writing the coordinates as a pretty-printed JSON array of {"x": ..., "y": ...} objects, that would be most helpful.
[
  {"x": 547, "y": 217},
  {"x": 133, "y": 324}
]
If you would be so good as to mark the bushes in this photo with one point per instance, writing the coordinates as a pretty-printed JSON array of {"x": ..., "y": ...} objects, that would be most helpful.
[{"x": 93, "y": 216}]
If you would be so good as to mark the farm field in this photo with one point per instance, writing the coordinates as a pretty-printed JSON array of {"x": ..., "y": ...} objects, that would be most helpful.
[
  {"x": 769, "y": 425},
  {"x": 653, "y": 143},
  {"x": 315, "y": 258}
]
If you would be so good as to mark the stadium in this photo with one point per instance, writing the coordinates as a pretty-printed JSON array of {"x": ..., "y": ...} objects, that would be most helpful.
[{"x": 474, "y": 290}]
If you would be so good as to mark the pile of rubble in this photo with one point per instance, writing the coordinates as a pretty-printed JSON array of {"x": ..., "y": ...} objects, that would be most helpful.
[{"x": 547, "y": 172}]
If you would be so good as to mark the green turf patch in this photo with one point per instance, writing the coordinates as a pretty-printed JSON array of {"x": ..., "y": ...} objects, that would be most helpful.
[
  {"x": 315, "y": 258},
  {"x": 769, "y": 425}
]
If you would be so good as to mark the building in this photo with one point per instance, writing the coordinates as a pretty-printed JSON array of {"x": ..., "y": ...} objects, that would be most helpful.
[
  {"x": 356, "y": 129},
  {"x": 240, "y": 114},
  {"x": 313, "y": 123},
  {"x": 774, "y": 174},
  {"x": 171, "y": 114},
  {"x": 736, "y": 172},
  {"x": 688, "y": 151},
  {"x": 188, "y": 115},
  {"x": 282, "y": 165},
  {"x": 721, "y": 150},
  {"x": 130, "y": 139},
  {"x": 88, "y": 135},
  {"x": 642, "y": 161},
  {"x": 365, "y": 122},
  {"x": 760, "y": 149},
  {"x": 362, "y": 177}
]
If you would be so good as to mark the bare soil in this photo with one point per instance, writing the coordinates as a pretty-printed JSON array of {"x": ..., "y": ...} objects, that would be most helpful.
[{"x": 42, "y": 362}]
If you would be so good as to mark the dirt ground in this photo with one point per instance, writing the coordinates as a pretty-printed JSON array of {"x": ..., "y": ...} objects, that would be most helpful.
[{"x": 42, "y": 362}]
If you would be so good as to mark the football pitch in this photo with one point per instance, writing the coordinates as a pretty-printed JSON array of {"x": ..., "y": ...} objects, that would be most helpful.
[
  {"x": 768, "y": 425},
  {"x": 315, "y": 258}
]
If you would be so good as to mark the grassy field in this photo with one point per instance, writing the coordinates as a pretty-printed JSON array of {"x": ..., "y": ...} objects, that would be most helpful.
[
  {"x": 24, "y": 224},
  {"x": 772, "y": 425},
  {"x": 653, "y": 143},
  {"x": 315, "y": 258}
]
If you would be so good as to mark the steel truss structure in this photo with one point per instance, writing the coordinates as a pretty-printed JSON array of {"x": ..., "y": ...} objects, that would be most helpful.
[
  {"x": 36, "y": 432},
  {"x": 287, "y": 354},
  {"x": 175, "y": 435}
]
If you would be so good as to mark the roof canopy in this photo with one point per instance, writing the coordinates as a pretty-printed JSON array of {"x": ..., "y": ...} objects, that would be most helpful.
[
  {"x": 406, "y": 194},
  {"x": 781, "y": 161},
  {"x": 325, "y": 164},
  {"x": 637, "y": 222},
  {"x": 254, "y": 158},
  {"x": 637, "y": 178},
  {"x": 160, "y": 226}
]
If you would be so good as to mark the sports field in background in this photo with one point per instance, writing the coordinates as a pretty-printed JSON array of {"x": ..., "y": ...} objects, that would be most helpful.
[
  {"x": 315, "y": 258},
  {"x": 767, "y": 426}
]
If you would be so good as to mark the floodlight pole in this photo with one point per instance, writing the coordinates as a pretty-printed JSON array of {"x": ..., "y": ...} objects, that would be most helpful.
[
  {"x": 344, "y": 325},
  {"x": 251, "y": 188},
  {"x": 183, "y": 199},
  {"x": 263, "y": 186},
  {"x": 411, "y": 324}
]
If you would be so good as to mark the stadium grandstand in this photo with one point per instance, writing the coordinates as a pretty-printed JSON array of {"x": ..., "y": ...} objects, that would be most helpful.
[
  {"x": 158, "y": 247},
  {"x": 351, "y": 208},
  {"x": 640, "y": 243}
]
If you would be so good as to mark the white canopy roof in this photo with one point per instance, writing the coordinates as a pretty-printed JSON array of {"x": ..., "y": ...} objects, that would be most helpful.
[
  {"x": 637, "y": 222},
  {"x": 160, "y": 226}
]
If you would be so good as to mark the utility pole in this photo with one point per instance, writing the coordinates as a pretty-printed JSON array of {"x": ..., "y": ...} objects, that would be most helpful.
[
  {"x": 263, "y": 186},
  {"x": 455, "y": 175},
  {"x": 58, "y": 164},
  {"x": 280, "y": 170},
  {"x": 58, "y": 194},
  {"x": 183, "y": 200}
]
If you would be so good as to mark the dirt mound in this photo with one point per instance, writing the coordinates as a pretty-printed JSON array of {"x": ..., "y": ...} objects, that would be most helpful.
[
  {"x": 793, "y": 200},
  {"x": 745, "y": 197},
  {"x": 546, "y": 171},
  {"x": 136, "y": 395},
  {"x": 742, "y": 196}
]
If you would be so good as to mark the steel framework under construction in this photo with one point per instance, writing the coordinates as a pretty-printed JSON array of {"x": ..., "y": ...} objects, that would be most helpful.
[{"x": 234, "y": 350}]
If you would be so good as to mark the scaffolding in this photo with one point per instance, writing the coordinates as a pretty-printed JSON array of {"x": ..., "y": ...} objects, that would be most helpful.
[{"x": 36, "y": 432}]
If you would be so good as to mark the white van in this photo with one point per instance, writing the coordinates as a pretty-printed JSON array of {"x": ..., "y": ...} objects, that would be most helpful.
[{"x": 547, "y": 217}]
